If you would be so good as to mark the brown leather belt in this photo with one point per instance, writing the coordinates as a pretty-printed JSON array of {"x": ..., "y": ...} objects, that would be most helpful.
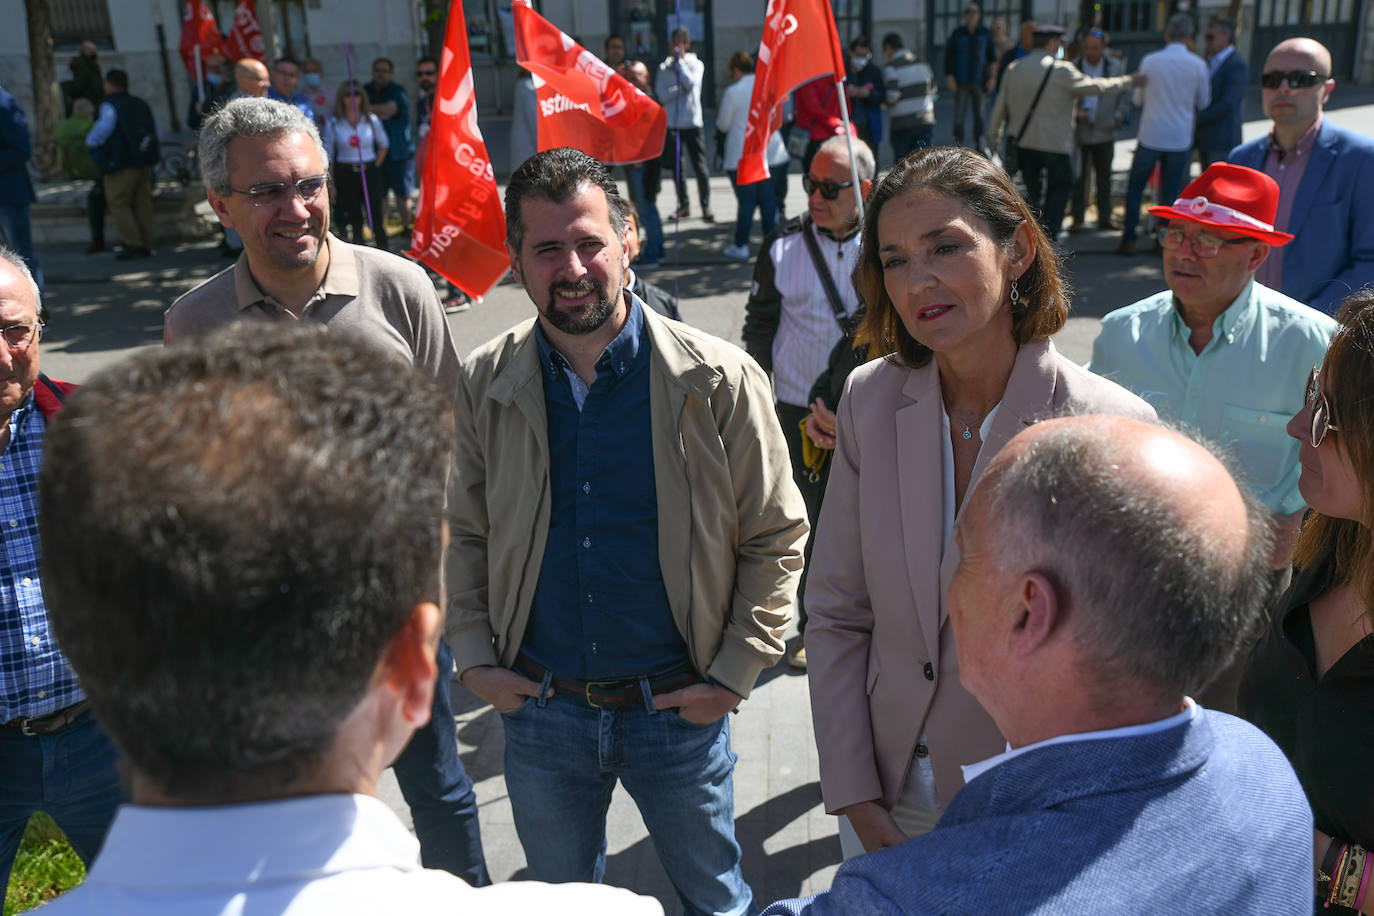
[
  {"x": 51, "y": 723},
  {"x": 618, "y": 694}
]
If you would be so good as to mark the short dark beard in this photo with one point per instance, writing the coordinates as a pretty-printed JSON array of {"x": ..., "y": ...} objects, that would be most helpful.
[{"x": 588, "y": 322}]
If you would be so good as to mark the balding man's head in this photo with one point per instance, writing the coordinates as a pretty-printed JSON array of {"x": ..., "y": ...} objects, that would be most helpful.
[
  {"x": 1153, "y": 556},
  {"x": 251, "y": 77}
]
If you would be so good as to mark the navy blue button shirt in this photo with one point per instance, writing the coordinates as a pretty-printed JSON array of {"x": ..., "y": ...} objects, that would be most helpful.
[{"x": 600, "y": 610}]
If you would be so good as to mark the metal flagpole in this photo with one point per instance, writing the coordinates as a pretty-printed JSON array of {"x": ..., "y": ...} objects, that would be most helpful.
[{"x": 849, "y": 139}]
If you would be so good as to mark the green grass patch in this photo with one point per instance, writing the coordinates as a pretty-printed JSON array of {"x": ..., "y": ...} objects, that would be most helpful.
[{"x": 45, "y": 867}]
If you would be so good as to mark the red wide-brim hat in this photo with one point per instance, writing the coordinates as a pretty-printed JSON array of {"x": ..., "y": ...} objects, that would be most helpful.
[{"x": 1232, "y": 197}]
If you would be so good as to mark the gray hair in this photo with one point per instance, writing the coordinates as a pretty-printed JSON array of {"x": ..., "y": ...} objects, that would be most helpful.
[
  {"x": 15, "y": 260},
  {"x": 863, "y": 156},
  {"x": 1179, "y": 27},
  {"x": 1157, "y": 601},
  {"x": 247, "y": 118},
  {"x": 82, "y": 107}
]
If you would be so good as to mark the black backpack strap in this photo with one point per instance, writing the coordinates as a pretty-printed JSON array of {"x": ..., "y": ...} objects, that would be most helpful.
[
  {"x": 56, "y": 392},
  {"x": 831, "y": 293}
]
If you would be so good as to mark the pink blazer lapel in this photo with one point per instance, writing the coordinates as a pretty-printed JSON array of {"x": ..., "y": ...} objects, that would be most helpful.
[
  {"x": 919, "y": 459},
  {"x": 1029, "y": 397}
]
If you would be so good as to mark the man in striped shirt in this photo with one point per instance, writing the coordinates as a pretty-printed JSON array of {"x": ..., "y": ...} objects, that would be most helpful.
[
  {"x": 910, "y": 86},
  {"x": 54, "y": 756}
]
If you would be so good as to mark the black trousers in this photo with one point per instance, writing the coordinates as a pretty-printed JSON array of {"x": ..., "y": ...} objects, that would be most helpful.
[
  {"x": 812, "y": 492},
  {"x": 1049, "y": 180},
  {"x": 348, "y": 179},
  {"x": 1097, "y": 158},
  {"x": 693, "y": 150}
]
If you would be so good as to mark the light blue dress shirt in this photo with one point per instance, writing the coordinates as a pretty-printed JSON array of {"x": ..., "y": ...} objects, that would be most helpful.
[{"x": 1240, "y": 391}]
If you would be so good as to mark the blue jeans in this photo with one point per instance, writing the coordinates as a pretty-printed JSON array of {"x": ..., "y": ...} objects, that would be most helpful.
[
  {"x": 748, "y": 196},
  {"x": 648, "y": 214},
  {"x": 15, "y": 227},
  {"x": 562, "y": 762},
  {"x": 443, "y": 806},
  {"x": 1173, "y": 166},
  {"x": 70, "y": 775},
  {"x": 909, "y": 139}
]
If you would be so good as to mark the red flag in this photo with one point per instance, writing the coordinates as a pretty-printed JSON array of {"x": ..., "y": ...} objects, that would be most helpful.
[
  {"x": 583, "y": 103},
  {"x": 198, "y": 28},
  {"x": 799, "y": 43},
  {"x": 245, "y": 36},
  {"x": 460, "y": 230}
]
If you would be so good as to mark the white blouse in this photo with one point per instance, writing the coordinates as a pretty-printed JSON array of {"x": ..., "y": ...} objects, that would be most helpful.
[{"x": 348, "y": 144}]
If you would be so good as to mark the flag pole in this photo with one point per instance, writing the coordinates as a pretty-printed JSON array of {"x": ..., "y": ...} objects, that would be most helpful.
[
  {"x": 362, "y": 166},
  {"x": 849, "y": 139}
]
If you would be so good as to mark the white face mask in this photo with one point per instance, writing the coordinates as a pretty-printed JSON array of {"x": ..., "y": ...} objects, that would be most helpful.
[
  {"x": 1059, "y": 54},
  {"x": 858, "y": 62}
]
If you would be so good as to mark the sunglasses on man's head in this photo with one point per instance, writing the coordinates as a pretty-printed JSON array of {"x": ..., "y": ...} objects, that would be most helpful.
[
  {"x": 1296, "y": 79},
  {"x": 829, "y": 190}
]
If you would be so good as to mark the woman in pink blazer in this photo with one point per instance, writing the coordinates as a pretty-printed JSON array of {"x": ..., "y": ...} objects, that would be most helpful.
[{"x": 963, "y": 290}]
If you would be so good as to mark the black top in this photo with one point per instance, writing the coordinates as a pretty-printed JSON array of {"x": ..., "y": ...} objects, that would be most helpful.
[{"x": 1326, "y": 725}]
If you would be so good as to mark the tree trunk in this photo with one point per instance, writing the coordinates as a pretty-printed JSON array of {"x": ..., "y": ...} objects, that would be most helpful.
[
  {"x": 436, "y": 21},
  {"x": 47, "y": 96}
]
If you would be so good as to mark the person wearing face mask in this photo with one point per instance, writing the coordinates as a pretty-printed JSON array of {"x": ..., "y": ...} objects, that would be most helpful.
[
  {"x": 863, "y": 86},
  {"x": 87, "y": 81},
  {"x": 312, "y": 84},
  {"x": 214, "y": 90}
]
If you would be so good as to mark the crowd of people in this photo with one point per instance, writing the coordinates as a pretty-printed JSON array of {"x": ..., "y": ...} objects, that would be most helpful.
[{"x": 1078, "y": 638}]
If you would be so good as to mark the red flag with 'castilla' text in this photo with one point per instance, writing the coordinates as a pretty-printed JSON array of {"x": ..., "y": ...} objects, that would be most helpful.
[
  {"x": 799, "y": 43},
  {"x": 583, "y": 103},
  {"x": 460, "y": 230},
  {"x": 198, "y": 29},
  {"x": 245, "y": 35}
]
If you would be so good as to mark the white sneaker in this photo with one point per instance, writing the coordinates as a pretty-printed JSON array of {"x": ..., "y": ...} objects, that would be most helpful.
[{"x": 738, "y": 252}]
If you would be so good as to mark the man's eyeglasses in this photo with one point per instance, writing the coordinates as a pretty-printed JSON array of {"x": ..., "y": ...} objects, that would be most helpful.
[
  {"x": 1296, "y": 79},
  {"x": 829, "y": 190},
  {"x": 1203, "y": 244},
  {"x": 1321, "y": 411},
  {"x": 275, "y": 193},
  {"x": 18, "y": 337}
]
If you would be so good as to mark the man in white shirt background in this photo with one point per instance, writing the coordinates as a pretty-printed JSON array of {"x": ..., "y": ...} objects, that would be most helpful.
[
  {"x": 1178, "y": 87},
  {"x": 252, "y": 600}
]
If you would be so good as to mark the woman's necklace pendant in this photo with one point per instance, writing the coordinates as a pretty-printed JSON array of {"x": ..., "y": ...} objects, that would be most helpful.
[{"x": 968, "y": 434}]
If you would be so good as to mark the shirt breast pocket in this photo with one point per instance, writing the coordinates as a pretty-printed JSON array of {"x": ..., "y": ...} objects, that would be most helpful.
[{"x": 1260, "y": 442}]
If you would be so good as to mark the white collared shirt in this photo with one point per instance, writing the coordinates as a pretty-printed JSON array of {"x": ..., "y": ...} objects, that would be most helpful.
[
  {"x": 1189, "y": 712},
  {"x": 321, "y": 854}
]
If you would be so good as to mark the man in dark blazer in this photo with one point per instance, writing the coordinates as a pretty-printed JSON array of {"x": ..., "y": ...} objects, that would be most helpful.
[
  {"x": 1326, "y": 179},
  {"x": 1218, "y": 125},
  {"x": 1107, "y": 567},
  {"x": 16, "y": 188}
]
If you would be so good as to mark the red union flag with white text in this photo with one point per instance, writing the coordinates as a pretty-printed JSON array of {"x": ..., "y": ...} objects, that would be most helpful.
[
  {"x": 583, "y": 103},
  {"x": 460, "y": 230},
  {"x": 799, "y": 44},
  {"x": 245, "y": 36},
  {"x": 198, "y": 29}
]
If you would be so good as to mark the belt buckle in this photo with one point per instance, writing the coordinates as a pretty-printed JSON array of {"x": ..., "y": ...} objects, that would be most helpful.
[
  {"x": 587, "y": 691},
  {"x": 24, "y": 728}
]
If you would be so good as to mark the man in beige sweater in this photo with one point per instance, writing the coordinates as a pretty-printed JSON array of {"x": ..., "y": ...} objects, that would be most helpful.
[{"x": 1046, "y": 140}]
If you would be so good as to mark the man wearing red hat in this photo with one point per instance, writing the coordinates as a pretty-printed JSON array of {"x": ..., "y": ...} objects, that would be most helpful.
[{"x": 1217, "y": 350}]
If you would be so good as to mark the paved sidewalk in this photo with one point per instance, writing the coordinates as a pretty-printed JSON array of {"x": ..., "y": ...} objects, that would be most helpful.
[{"x": 102, "y": 310}]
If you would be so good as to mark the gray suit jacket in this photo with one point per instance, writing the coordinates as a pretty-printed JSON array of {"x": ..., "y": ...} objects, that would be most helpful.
[{"x": 1110, "y": 112}]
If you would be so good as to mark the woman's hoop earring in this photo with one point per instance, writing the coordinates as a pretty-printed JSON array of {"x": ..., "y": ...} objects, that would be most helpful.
[{"x": 1015, "y": 294}]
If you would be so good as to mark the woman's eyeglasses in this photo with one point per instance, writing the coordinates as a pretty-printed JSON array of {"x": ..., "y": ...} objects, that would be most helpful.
[
  {"x": 1321, "y": 410},
  {"x": 1297, "y": 79},
  {"x": 829, "y": 190}
]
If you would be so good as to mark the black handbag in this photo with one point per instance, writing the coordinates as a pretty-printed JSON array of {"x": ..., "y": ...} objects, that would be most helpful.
[{"x": 1011, "y": 156}]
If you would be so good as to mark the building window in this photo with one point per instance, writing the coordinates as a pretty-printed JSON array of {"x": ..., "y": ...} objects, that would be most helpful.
[
  {"x": 852, "y": 19},
  {"x": 75, "y": 21}
]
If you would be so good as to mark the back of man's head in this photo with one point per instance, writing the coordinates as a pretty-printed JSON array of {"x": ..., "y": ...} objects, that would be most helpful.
[
  {"x": 118, "y": 80},
  {"x": 1179, "y": 27},
  {"x": 892, "y": 41},
  {"x": 235, "y": 531},
  {"x": 1158, "y": 557}
]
